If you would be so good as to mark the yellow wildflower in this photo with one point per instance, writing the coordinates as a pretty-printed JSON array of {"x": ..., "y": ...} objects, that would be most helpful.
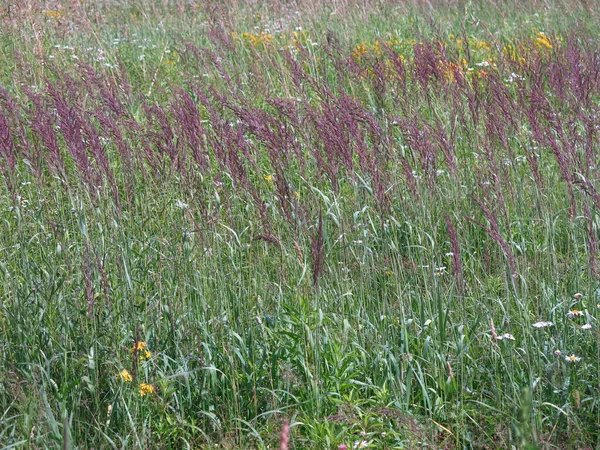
[
  {"x": 142, "y": 350},
  {"x": 55, "y": 14},
  {"x": 482, "y": 45},
  {"x": 542, "y": 41},
  {"x": 138, "y": 347},
  {"x": 377, "y": 48},
  {"x": 360, "y": 51},
  {"x": 260, "y": 39},
  {"x": 125, "y": 376},
  {"x": 146, "y": 389}
]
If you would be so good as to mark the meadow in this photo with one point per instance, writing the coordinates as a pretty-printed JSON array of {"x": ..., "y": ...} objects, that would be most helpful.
[{"x": 375, "y": 220}]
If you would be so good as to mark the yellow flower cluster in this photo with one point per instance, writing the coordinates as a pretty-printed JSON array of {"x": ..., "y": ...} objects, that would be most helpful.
[
  {"x": 377, "y": 48},
  {"x": 542, "y": 41},
  {"x": 125, "y": 376},
  {"x": 142, "y": 350},
  {"x": 511, "y": 52},
  {"x": 146, "y": 389},
  {"x": 258, "y": 40},
  {"x": 481, "y": 45},
  {"x": 53, "y": 13},
  {"x": 360, "y": 51}
]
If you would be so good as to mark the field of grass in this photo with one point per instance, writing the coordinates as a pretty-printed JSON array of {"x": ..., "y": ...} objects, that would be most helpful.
[{"x": 378, "y": 221}]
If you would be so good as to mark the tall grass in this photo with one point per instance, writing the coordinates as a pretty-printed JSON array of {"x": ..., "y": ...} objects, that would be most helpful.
[{"x": 308, "y": 225}]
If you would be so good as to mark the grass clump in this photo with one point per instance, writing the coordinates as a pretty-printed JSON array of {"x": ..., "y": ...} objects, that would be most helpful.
[{"x": 375, "y": 224}]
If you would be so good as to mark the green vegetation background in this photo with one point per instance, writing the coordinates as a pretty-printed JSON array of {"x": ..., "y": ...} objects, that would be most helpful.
[{"x": 388, "y": 342}]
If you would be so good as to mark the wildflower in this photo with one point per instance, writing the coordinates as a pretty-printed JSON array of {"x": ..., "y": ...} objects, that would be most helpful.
[
  {"x": 260, "y": 39},
  {"x": 142, "y": 350},
  {"x": 482, "y": 45},
  {"x": 138, "y": 346},
  {"x": 587, "y": 326},
  {"x": 557, "y": 353},
  {"x": 125, "y": 375},
  {"x": 360, "y": 51},
  {"x": 439, "y": 271},
  {"x": 578, "y": 296},
  {"x": 363, "y": 433},
  {"x": 572, "y": 358},
  {"x": 269, "y": 178},
  {"x": 361, "y": 444},
  {"x": 506, "y": 336},
  {"x": 574, "y": 313},
  {"x": 542, "y": 40},
  {"x": 542, "y": 324},
  {"x": 342, "y": 447},
  {"x": 55, "y": 14},
  {"x": 146, "y": 389}
]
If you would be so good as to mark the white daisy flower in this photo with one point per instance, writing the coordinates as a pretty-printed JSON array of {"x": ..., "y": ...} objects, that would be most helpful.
[{"x": 574, "y": 313}]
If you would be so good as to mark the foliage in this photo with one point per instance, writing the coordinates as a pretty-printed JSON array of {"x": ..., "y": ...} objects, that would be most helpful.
[{"x": 377, "y": 221}]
